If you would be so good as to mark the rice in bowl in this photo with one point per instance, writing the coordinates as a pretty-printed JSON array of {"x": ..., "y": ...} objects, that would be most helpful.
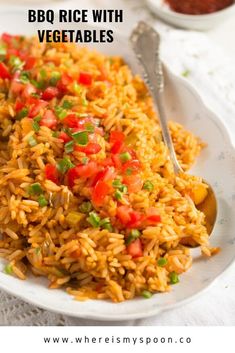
[{"x": 88, "y": 194}]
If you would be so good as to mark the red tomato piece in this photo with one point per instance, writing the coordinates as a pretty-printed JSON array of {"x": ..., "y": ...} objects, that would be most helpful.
[
  {"x": 117, "y": 147},
  {"x": 152, "y": 216},
  {"x": 85, "y": 78},
  {"x": 36, "y": 108},
  {"x": 135, "y": 249},
  {"x": 90, "y": 148},
  {"x": 7, "y": 38},
  {"x": 136, "y": 219},
  {"x": 134, "y": 183},
  {"x": 82, "y": 171},
  {"x": 133, "y": 166},
  {"x": 29, "y": 62},
  {"x": 107, "y": 162},
  {"x": 116, "y": 136},
  {"x": 50, "y": 93},
  {"x": 123, "y": 214},
  {"x": 49, "y": 119},
  {"x": 64, "y": 82},
  {"x": 18, "y": 105},
  {"x": 4, "y": 72},
  {"x": 64, "y": 137},
  {"x": 116, "y": 161},
  {"x": 99, "y": 192},
  {"x": 51, "y": 173},
  {"x": 73, "y": 121}
]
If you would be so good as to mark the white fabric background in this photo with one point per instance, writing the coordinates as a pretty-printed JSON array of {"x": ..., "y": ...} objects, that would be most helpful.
[{"x": 213, "y": 74}]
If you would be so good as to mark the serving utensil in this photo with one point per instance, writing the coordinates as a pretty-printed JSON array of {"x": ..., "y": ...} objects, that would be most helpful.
[{"x": 146, "y": 45}]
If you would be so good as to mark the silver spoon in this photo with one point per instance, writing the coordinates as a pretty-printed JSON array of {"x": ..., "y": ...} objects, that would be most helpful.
[{"x": 146, "y": 42}]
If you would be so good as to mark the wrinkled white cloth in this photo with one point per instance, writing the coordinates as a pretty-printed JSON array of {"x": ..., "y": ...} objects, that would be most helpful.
[{"x": 213, "y": 74}]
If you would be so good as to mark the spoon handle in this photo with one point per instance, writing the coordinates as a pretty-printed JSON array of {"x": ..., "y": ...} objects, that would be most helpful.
[{"x": 146, "y": 45}]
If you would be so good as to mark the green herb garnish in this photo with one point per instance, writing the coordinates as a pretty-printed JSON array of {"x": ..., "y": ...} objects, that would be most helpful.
[
  {"x": 94, "y": 219},
  {"x": 60, "y": 112},
  {"x": 148, "y": 185},
  {"x": 55, "y": 76},
  {"x": 16, "y": 63},
  {"x": 24, "y": 77},
  {"x": 22, "y": 114},
  {"x": 81, "y": 137},
  {"x": 42, "y": 201},
  {"x": 69, "y": 146},
  {"x": 67, "y": 104},
  {"x": 85, "y": 207},
  {"x": 64, "y": 165},
  {"x": 35, "y": 189},
  {"x": 134, "y": 234},
  {"x": 32, "y": 141}
]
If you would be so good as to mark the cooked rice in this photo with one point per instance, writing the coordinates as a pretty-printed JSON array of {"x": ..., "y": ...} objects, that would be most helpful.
[{"x": 88, "y": 262}]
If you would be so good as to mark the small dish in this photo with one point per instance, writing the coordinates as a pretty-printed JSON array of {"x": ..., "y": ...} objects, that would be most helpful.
[{"x": 194, "y": 22}]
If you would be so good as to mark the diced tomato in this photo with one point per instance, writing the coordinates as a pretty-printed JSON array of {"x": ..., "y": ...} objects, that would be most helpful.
[
  {"x": 50, "y": 93},
  {"x": 152, "y": 216},
  {"x": 135, "y": 249},
  {"x": 116, "y": 136},
  {"x": 16, "y": 87},
  {"x": 117, "y": 147},
  {"x": 133, "y": 166},
  {"x": 36, "y": 108},
  {"x": 12, "y": 52},
  {"x": 85, "y": 78},
  {"x": 64, "y": 82},
  {"x": 7, "y": 38},
  {"x": 51, "y": 173},
  {"x": 18, "y": 105},
  {"x": 82, "y": 171},
  {"x": 64, "y": 137},
  {"x": 29, "y": 62},
  {"x": 90, "y": 148},
  {"x": 72, "y": 120},
  {"x": 28, "y": 90},
  {"x": 99, "y": 192},
  {"x": 107, "y": 162},
  {"x": 134, "y": 183},
  {"x": 116, "y": 161},
  {"x": 107, "y": 174},
  {"x": 49, "y": 119},
  {"x": 103, "y": 76},
  {"x": 4, "y": 72},
  {"x": 136, "y": 219},
  {"x": 123, "y": 214}
]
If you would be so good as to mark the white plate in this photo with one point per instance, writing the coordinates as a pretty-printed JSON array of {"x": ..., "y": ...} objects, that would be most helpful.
[
  {"x": 198, "y": 22},
  {"x": 216, "y": 164}
]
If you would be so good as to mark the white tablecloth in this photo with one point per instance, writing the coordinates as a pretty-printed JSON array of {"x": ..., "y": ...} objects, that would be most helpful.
[{"x": 213, "y": 73}]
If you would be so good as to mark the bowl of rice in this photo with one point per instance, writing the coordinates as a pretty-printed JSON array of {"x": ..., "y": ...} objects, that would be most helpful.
[{"x": 90, "y": 205}]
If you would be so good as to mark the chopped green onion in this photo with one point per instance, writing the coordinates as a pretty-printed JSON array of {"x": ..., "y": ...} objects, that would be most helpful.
[
  {"x": 148, "y": 185},
  {"x": 35, "y": 189},
  {"x": 85, "y": 160},
  {"x": 186, "y": 73},
  {"x": 146, "y": 294},
  {"x": 106, "y": 224},
  {"x": 38, "y": 84},
  {"x": 129, "y": 171},
  {"x": 85, "y": 207},
  {"x": 125, "y": 157},
  {"x": 67, "y": 104},
  {"x": 174, "y": 278},
  {"x": 3, "y": 50},
  {"x": 22, "y": 114},
  {"x": 55, "y": 133},
  {"x": 15, "y": 62},
  {"x": 43, "y": 74},
  {"x": 77, "y": 88},
  {"x": 60, "y": 112},
  {"x": 81, "y": 137},
  {"x": 84, "y": 102},
  {"x": 64, "y": 165},
  {"x": 55, "y": 76},
  {"x": 134, "y": 234},
  {"x": 8, "y": 269},
  {"x": 118, "y": 185},
  {"x": 35, "y": 95},
  {"x": 68, "y": 147},
  {"x": 118, "y": 195},
  {"x": 42, "y": 201},
  {"x": 35, "y": 125},
  {"x": 90, "y": 128},
  {"x": 94, "y": 219},
  {"x": 24, "y": 77},
  {"x": 32, "y": 141},
  {"x": 162, "y": 262}
]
